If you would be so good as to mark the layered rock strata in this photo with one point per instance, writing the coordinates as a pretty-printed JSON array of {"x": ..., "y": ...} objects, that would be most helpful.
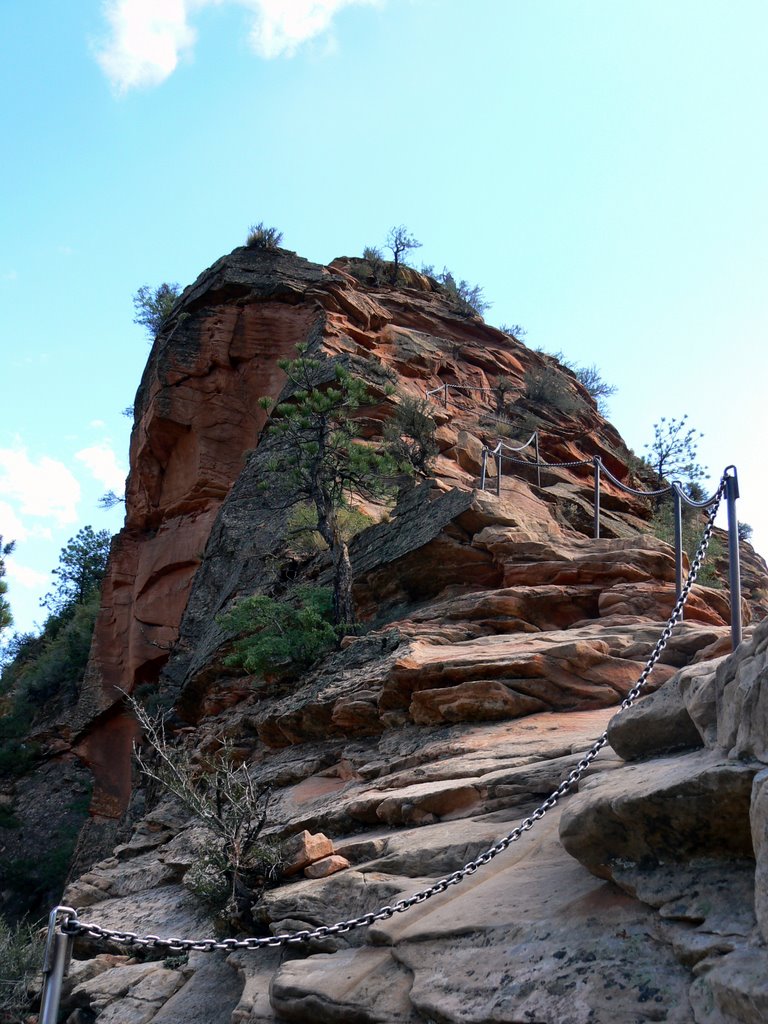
[{"x": 497, "y": 637}]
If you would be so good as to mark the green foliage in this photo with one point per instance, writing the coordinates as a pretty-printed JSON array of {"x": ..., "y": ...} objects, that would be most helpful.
[
  {"x": 674, "y": 450},
  {"x": 82, "y": 564},
  {"x": 262, "y": 237},
  {"x": 376, "y": 264},
  {"x": 21, "y": 957},
  {"x": 60, "y": 664},
  {"x": 467, "y": 298},
  {"x": 745, "y": 531},
  {"x": 281, "y": 638},
  {"x": 6, "y": 619},
  {"x": 693, "y": 520},
  {"x": 598, "y": 389},
  {"x": 209, "y": 880},
  {"x": 302, "y": 527},
  {"x": 317, "y": 459},
  {"x": 410, "y": 435},
  {"x": 153, "y": 306},
  {"x": 547, "y": 386}
]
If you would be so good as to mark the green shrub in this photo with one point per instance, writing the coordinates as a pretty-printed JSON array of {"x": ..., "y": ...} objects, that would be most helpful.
[
  {"x": 60, "y": 664},
  {"x": 547, "y": 386},
  {"x": 262, "y": 237},
  {"x": 598, "y": 389},
  {"x": 21, "y": 957},
  {"x": 281, "y": 638},
  {"x": 745, "y": 531},
  {"x": 663, "y": 527},
  {"x": 410, "y": 435},
  {"x": 153, "y": 307}
]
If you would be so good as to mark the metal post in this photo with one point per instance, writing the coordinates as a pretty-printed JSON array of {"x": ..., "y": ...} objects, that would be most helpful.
[
  {"x": 677, "y": 514},
  {"x": 538, "y": 460},
  {"x": 445, "y": 395},
  {"x": 734, "y": 569},
  {"x": 58, "y": 950},
  {"x": 596, "y": 461},
  {"x": 498, "y": 473},
  {"x": 484, "y": 469}
]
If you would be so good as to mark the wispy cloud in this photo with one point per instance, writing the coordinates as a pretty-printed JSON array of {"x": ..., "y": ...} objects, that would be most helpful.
[
  {"x": 43, "y": 487},
  {"x": 103, "y": 465},
  {"x": 147, "y": 38},
  {"x": 10, "y": 275},
  {"x": 24, "y": 576},
  {"x": 12, "y": 527}
]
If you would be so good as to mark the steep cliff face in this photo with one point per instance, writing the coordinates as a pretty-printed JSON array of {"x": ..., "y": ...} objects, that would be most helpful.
[
  {"x": 496, "y": 639},
  {"x": 197, "y": 417}
]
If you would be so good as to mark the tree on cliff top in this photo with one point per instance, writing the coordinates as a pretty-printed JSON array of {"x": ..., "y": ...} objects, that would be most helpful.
[
  {"x": 153, "y": 306},
  {"x": 674, "y": 450},
  {"x": 317, "y": 459},
  {"x": 399, "y": 241}
]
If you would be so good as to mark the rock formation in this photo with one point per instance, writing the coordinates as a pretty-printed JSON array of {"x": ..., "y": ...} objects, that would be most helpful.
[{"x": 497, "y": 639}]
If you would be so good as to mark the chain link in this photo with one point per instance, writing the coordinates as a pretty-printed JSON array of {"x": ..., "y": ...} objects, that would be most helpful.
[
  {"x": 548, "y": 465},
  {"x": 71, "y": 925}
]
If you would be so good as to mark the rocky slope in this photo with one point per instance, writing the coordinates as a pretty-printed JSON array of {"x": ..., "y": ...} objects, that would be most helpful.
[{"x": 497, "y": 639}]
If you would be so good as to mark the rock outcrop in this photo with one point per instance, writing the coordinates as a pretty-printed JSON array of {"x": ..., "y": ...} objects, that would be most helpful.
[{"x": 497, "y": 639}]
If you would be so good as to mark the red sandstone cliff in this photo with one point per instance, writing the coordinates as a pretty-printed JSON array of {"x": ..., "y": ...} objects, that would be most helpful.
[
  {"x": 499, "y": 636},
  {"x": 197, "y": 418}
]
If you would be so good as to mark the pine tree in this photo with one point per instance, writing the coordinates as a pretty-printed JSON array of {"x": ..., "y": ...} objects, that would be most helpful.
[
  {"x": 82, "y": 564},
  {"x": 6, "y": 618},
  {"x": 317, "y": 459}
]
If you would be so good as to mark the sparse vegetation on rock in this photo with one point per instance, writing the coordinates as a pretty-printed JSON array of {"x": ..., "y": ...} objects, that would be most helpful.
[
  {"x": 262, "y": 237},
  {"x": 217, "y": 789},
  {"x": 153, "y": 306},
  {"x": 399, "y": 241},
  {"x": 21, "y": 957},
  {"x": 410, "y": 435}
]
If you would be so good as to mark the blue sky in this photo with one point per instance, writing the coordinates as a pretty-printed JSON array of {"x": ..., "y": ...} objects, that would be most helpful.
[{"x": 598, "y": 166}]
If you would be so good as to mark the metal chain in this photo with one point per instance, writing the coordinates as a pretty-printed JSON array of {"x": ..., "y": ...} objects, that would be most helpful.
[
  {"x": 548, "y": 465},
  {"x": 71, "y": 925}
]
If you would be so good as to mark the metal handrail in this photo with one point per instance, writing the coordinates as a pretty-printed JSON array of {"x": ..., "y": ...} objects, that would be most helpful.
[{"x": 679, "y": 497}]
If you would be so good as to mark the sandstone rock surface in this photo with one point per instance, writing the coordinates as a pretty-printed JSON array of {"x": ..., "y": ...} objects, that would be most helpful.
[{"x": 497, "y": 639}]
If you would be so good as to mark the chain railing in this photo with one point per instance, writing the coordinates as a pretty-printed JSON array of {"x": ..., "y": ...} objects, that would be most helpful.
[
  {"x": 64, "y": 924},
  {"x": 445, "y": 388},
  {"x": 679, "y": 497}
]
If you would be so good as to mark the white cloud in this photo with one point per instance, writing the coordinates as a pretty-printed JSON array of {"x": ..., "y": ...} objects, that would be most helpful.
[
  {"x": 12, "y": 527},
  {"x": 147, "y": 38},
  {"x": 44, "y": 488},
  {"x": 23, "y": 576},
  {"x": 103, "y": 464},
  {"x": 10, "y": 275},
  {"x": 281, "y": 26},
  {"x": 97, "y": 424}
]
